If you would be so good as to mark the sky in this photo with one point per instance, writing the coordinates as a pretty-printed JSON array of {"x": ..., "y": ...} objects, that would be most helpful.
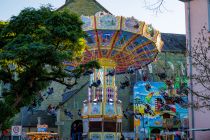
[{"x": 169, "y": 20}]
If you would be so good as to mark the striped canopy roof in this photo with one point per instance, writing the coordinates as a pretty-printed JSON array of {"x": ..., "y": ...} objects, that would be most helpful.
[{"x": 126, "y": 41}]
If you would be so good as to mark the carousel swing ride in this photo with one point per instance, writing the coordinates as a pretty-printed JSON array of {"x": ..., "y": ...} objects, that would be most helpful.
[{"x": 117, "y": 43}]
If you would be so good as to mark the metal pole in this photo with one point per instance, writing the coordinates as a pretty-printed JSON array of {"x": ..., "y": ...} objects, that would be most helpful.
[
  {"x": 190, "y": 64},
  {"x": 143, "y": 127}
]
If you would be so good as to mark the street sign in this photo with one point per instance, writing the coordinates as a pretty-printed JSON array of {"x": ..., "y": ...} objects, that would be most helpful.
[
  {"x": 16, "y": 130},
  {"x": 95, "y": 119},
  {"x": 42, "y": 128}
]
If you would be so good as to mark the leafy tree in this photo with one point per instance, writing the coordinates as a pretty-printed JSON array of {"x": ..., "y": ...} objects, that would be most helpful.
[
  {"x": 155, "y": 5},
  {"x": 33, "y": 48},
  {"x": 158, "y": 5}
]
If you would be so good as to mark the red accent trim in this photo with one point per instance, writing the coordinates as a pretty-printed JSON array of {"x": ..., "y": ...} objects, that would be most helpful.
[
  {"x": 121, "y": 23},
  {"x": 113, "y": 44},
  {"x": 89, "y": 52},
  {"x": 97, "y": 38}
]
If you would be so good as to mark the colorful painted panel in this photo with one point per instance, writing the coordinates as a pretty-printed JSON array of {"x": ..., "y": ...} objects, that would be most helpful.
[
  {"x": 100, "y": 75},
  {"x": 150, "y": 33},
  {"x": 143, "y": 97},
  {"x": 108, "y": 22},
  {"x": 99, "y": 93},
  {"x": 150, "y": 106},
  {"x": 114, "y": 52},
  {"x": 110, "y": 93},
  {"x": 88, "y": 23},
  {"x": 95, "y": 136},
  {"x": 104, "y": 52},
  {"x": 137, "y": 43},
  {"x": 96, "y": 109},
  {"x": 91, "y": 39},
  {"x": 105, "y": 37},
  {"x": 109, "y": 136},
  {"x": 118, "y": 136},
  {"x": 132, "y": 25},
  {"x": 85, "y": 110},
  {"x": 123, "y": 38},
  {"x": 109, "y": 79},
  {"x": 109, "y": 109}
]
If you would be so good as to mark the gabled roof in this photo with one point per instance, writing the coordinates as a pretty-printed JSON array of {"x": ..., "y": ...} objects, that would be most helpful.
[
  {"x": 83, "y": 7},
  {"x": 174, "y": 42},
  {"x": 68, "y": 95}
]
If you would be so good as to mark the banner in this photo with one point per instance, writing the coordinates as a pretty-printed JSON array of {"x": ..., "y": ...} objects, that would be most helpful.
[{"x": 16, "y": 130}]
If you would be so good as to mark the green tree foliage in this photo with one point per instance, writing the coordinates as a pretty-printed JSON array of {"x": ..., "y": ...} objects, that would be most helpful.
[{"x": 33, "y": 47}]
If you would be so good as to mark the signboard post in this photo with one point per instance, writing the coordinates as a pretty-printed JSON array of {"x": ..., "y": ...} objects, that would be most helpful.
[{"x": 16, "y": 131}]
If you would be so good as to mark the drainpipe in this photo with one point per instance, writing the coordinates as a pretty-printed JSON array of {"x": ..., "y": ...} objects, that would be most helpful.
[{"x": 190, "y": 64}]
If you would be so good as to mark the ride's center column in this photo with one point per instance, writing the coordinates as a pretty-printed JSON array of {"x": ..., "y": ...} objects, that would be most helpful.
[{"x": 102, "y": 112}]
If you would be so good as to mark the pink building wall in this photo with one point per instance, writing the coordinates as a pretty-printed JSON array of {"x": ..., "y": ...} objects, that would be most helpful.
[{"x": 198, "y": 18}]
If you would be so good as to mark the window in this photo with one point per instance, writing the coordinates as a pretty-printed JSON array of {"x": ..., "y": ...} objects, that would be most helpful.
[
  {"x": 95, "y": 127},
  {"x": 110, "y": 93},
  {"x": 109, "y": 126},
  {"x": 99, "y": 93}
]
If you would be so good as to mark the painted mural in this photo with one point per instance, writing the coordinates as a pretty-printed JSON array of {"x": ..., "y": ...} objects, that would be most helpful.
[{"x": 153, "y": 109}]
